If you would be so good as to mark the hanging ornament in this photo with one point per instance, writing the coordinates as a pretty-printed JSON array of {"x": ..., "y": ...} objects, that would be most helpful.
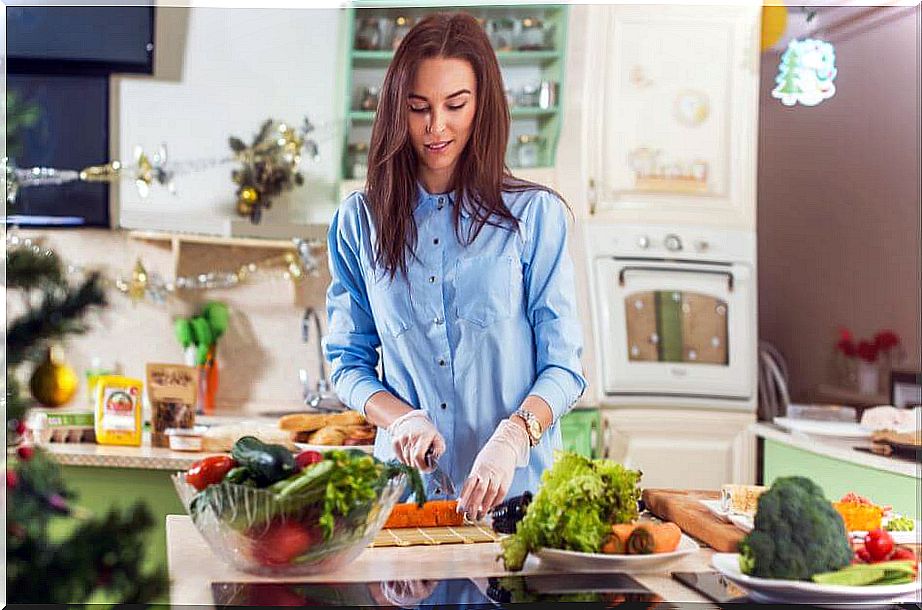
[
  {"x": 53, "y": 383},
  {"x": 774, "y": 23},
  {"x": 269, "y": 166},
  {"x": 806, "y": 73}
]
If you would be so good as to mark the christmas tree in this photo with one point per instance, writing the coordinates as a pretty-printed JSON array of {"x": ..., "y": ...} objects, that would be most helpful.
[
  {"x": 95, "y": 557},
  {"x": 788, "y": 88}
]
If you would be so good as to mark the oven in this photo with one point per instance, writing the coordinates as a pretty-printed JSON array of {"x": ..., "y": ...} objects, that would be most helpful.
[{"x": 674, "y": 314}]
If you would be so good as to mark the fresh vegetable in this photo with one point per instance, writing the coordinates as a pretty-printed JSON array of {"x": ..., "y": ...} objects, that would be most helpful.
[
  {"x": 306, "y": 458},
  {"x": 266, "y": 463},
  {"x": 859, "y": 516},
  {"x": 430, "y": 514},
  {"x": 879, "y": 544},
  {"x": 574, "y": 508},
  {"x": 617, "y": 540},
  {"x": 900, "y": 524},
  {"x": 902, "y": 553},
  {"x": 797, "y": 533},
  {"x": 209, "y": 471},
  {"x": 281, "y": 542},
  {"x": 650, "y": 537},
  {"x": 885, "y": 573}
]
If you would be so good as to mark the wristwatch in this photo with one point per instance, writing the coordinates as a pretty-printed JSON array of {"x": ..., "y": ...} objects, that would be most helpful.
[{"x": 532, "y": 425}]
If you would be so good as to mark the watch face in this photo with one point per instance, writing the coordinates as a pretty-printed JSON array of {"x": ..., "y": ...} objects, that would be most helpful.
[{"x": 534, "y": 428}]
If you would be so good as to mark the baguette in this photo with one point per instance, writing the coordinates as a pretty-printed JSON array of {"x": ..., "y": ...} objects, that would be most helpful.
[{"x": 308, "y": 422}]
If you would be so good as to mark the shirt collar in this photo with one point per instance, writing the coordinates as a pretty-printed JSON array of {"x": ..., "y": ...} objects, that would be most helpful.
[{"x": 425, "y": 198}]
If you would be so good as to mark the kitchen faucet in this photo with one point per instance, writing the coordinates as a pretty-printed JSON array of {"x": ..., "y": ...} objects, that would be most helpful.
[{"x": 323, "y": 398}]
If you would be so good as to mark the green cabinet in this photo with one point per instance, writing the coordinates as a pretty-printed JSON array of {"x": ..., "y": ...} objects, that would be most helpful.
[
  {"x": 580, "y": 431},
  {"x": 838, "y": 477},
  {"x": 530, "y": 43}
]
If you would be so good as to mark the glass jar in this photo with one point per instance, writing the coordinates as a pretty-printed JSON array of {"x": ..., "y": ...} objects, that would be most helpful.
[
  {"x": 368, "y": 35},
  {"x": 528, "y": 150},
  {"x": 501, "y": 33},
  {"x": 369, "y": 101},
  {"x": 358, "y": 160},
  {"x": 528, "y": 98},
  {"x": 532, "y": 35},
  {"x": 402, "y": 26}
]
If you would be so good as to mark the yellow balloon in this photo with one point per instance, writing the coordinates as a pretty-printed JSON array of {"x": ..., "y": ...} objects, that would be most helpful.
[{"x": 774, "y": 22}]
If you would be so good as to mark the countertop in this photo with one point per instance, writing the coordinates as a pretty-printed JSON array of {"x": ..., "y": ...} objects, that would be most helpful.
[
  {"x": 193, "y": 566},
  {"x": 837, "y": 448}
]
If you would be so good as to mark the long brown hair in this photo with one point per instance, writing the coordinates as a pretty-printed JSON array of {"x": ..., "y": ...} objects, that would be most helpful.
[{"x": 481, "y": 174}]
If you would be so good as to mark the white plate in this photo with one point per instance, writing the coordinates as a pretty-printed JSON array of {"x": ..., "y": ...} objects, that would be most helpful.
[
  {"x": 806, "y": 592},
  {"x": 743, "y": 522},
  {"x": 838, "y": 429},
  {"x": 913, "y": 536},
  {"x": 589, "y": 562},
  {"x": 369, "y": 449}
]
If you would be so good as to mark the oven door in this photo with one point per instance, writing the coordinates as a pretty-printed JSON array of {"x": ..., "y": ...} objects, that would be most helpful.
[{"x": 675, "y": 328}]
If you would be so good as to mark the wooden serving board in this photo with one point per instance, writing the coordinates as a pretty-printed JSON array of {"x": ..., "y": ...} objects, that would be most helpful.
[
  {"x": 419, "y": 536},
  {"x": 683, "y": 507}
]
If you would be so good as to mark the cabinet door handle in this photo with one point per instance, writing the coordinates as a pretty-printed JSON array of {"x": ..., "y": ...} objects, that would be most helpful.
[
  {"x": 593, "y": 197},
  {"x": 606, "y": 445}
]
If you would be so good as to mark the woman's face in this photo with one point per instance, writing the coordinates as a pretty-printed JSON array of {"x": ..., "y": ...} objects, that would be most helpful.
[{"x": 441, "y": 105}]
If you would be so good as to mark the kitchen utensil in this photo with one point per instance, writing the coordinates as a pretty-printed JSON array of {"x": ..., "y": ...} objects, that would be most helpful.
[
  {"x": 805, "y": 592},
  {"x": 744, "y": 522},
  {"x": 684, "y": 508},
  {"x": 439, "y": 485},
  {"x": 576, "y": 561}
]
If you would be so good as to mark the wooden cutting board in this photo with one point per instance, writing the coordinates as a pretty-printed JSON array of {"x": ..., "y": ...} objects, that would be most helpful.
[{"x": 683, "y": 507}]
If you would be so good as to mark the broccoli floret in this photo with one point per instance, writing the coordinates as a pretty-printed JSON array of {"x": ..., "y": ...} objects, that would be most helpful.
[{"x": 797, "y": 533}]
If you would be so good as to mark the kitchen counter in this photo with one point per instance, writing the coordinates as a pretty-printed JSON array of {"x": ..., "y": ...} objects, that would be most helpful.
[
  {"x": 193, "y": 566},
  {"x": 837, "y": 448},
  {"x": 835, "y": 465}
]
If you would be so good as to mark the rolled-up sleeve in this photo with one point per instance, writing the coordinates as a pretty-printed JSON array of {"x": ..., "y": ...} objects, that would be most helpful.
[
  {"x": 551, "y": 305},
  {"x": 352, "y": 338}
]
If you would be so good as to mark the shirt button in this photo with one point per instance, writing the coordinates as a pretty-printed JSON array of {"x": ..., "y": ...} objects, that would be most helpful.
[
  {"x": 436, "y": 241},
  {"x": 431, "y": 279},
  {"x": 443, "y": 405},
  {"x": 441, "y": 362},
  {"x": 438, "y": 320}
]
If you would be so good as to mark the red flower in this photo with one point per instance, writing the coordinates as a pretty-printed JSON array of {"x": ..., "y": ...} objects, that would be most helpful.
[
  {"x": 847, "y": 347},
  {"x": 25, "y": 452},
  {"x": 886, "y": 340},
  {"x": 845, "y": 334},
  {"x": 12, "y": 479},
  {"x": 867, "y": 351}
]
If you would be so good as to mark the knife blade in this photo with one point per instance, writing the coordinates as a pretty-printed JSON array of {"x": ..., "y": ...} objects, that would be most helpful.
[{"x": 439, "y": 484}]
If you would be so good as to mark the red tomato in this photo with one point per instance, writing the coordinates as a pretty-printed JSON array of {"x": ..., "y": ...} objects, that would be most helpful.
[
  {"x": 209, "y": 471},
  {"x": 902, "y": 553},
  {"x": 281, "y": 543},
  {"x": 879, "y": 544},
  {"x": 306, "y": 458}
]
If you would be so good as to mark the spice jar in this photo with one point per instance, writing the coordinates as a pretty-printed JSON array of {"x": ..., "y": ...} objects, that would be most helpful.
[
  {"x": 532, "y": 35},
  {"x": 369, "y": 99},
  {"x": 528, "y": 150},
  {"x": 358, "y": 160},
  {"x": 501, "y": 33},
  {"x": 402, "y": 26},
  {"x": 528, "y": 98},
  {"x": 368, "y": 35}
]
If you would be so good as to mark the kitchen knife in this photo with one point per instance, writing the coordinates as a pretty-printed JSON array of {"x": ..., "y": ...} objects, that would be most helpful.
[{"x": 439, "y": 484}]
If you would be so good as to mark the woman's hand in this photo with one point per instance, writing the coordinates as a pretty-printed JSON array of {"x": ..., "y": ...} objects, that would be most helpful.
[
  {"x": 412, "y": 435},
  {"x": 493, "y": 469}
]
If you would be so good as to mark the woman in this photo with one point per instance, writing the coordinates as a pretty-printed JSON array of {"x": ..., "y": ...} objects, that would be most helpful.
[{"x": 459, "y": 273}]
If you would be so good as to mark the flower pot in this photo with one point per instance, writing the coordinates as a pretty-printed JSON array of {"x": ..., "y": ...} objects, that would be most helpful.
[{"x": 868, "y": 377}]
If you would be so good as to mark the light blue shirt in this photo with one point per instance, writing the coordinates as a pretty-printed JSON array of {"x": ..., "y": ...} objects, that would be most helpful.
[{"x": 468, "y": 334}]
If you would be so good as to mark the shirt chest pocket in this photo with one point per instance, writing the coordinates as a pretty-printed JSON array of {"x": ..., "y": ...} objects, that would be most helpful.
[
  {"x": 391, "y": 306},
  {"x": 488, "y": 288}
]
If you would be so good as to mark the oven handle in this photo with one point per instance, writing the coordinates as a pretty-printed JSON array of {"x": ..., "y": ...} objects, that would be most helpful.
[{"x": 621, "y": 273}]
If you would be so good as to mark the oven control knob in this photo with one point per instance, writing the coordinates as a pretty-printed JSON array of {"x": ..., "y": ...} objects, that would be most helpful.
[
  {"x": 643, "y": 242},
  {"x": 673, "y": 243}
]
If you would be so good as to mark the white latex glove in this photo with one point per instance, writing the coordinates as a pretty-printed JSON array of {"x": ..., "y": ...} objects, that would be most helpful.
[
  {"x": 493, "y": 469},
  {"x": 412, "y": 434},
  {"x": 408, "y": 593}
]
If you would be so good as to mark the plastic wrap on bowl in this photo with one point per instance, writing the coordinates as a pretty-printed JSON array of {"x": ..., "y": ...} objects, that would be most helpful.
[{"x": 260, "y": 533}]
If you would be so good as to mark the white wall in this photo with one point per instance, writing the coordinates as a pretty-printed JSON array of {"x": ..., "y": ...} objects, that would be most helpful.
[{"x": 222, "y": 72}]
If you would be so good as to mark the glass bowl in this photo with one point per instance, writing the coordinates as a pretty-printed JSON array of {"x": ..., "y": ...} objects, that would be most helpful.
[{"x": 256, "y": 532}]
